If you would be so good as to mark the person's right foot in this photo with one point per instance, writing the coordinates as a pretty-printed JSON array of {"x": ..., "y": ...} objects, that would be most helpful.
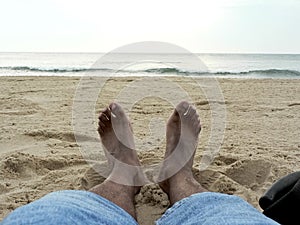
[{"x": 176, "y": 177}]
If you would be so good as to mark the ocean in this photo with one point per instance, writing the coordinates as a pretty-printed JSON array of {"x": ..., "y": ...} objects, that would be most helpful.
[{"x": 217, "y": 65}]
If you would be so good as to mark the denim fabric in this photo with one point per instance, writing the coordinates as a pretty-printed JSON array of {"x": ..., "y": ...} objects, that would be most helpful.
[
  {"x": 213, "y": 209},
  {"x": 68, "y": 208},
  {"x": 82, "y": 207}
]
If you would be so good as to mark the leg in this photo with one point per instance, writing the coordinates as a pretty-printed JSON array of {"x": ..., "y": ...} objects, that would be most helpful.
[
  {"x": 126, "y": 177},
  {"x": 69, "y": 207},
  {"x": 183, "y": 129},
  {"x": 192, "y": 204},
  {"x": 214, "y": 209}
]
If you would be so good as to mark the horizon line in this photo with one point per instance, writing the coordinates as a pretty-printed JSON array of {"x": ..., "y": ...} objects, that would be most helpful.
[{"x": 94, "y": 52}]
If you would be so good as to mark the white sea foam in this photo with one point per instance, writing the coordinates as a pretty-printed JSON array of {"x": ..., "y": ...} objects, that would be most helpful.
[{"x": 219, "y": 65}]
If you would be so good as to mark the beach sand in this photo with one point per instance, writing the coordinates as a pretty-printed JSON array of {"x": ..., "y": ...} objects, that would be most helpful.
[{"x": 39, "y": 154}]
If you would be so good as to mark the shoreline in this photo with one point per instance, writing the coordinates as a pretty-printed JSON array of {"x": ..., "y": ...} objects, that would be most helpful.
[{"x": 155, "y": 76}]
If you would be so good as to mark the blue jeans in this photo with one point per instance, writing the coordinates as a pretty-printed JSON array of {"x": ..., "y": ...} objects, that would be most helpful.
[{"x": 82, "y": 207}]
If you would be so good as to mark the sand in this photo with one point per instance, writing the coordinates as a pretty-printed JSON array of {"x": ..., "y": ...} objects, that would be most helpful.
[{"x": 39, "y": 154}]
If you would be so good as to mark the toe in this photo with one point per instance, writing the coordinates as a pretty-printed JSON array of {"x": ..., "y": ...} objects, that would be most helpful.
[
  {"x": 175, "y": 117},
  {"x": 100, "y": 130},
  {"x": 182, "y": 107},
  {"x": 198, "y": 130},
  {"x": 194, "y": 116},
  {"x": 104, "y": 121},
  {"x": 101, "y": 124},
  {"x": 116, "y": 109},
  {"x": 105, "y": 115},
  {"x": 192, "y": 112}
]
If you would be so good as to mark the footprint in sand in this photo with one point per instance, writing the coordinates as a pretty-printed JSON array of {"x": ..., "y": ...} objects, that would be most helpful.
[
  {"x": 20, "y": 165},
  {"x": 62, "y": 136},
  {"x": 26, "y": 165},
  {"x": 92, "y": 178},
  {"x": 224, "y": 160},
  {"x": 20, "y": 107},
  {"x": 216, "y": 181},
  {"x": 249, "y": 172},
  {"x": 46, "y": 134}
]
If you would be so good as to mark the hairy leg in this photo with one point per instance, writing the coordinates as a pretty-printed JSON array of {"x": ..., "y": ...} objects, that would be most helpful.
[
  {"x": 126, "y": 177},
  {"x": 182, "y": 133}
]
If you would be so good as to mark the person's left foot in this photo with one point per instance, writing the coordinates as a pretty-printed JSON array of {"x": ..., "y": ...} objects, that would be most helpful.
[
  {"x": 117, "y": 138},
  {"x": 126, "y": 177}
]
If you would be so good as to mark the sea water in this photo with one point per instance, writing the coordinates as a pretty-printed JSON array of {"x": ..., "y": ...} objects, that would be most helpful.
[{"x": 96, "y": 64}]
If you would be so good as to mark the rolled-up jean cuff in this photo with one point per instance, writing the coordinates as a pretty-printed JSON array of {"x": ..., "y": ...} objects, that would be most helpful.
[
  {"x": 70, "y": 207},
  {"x": 209, "y": 208}
]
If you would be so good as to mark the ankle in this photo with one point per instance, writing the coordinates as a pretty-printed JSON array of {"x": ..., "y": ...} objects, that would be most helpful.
[
  {"x": 181, "y": 177},
  {"x": 180, "y": 186},
  {"x": 176, "y": 180}
]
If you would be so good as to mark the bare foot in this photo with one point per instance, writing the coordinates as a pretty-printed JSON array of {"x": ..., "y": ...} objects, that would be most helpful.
[
  {"x": 116, "y": 135},
  {"x": 126, "y": 177},
  {"x": 117, "y": 139},
  {"x": 176, "y": 177}
]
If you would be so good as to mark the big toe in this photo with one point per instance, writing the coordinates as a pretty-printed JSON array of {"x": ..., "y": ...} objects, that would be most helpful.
[
  {"x": 188, "y": 115},
  {"x": 116, "y": 110},
  {"x": 182, "y": 108}
]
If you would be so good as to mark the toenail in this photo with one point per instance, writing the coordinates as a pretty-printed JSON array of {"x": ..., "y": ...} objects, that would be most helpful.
[
  {"x": 113, "y": 115},
  {"x": 106, "y": 117},
  {"x": 187, "y": 111},
  {"x": 185, "y": 104},
  {"x": 113, "y": 106}
]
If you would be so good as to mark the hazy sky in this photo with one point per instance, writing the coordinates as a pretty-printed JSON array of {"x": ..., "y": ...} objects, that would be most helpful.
[{"x": 242, "y": 26}]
